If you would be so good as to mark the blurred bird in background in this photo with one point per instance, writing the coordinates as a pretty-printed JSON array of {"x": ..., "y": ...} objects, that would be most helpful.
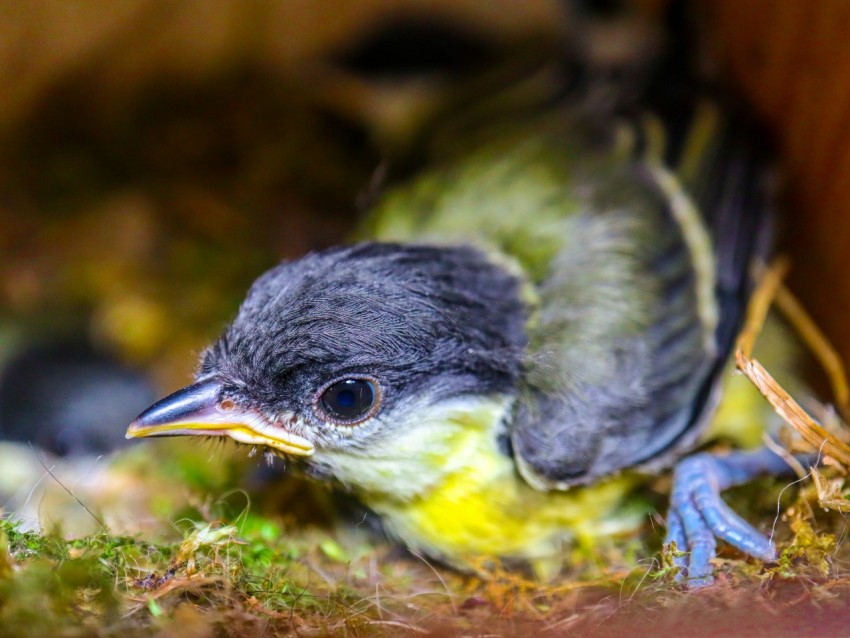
[
  {"x": 66, "y": 398},
  {"x": 526, "y": 329},
  {"x": 59, "y": 403}
]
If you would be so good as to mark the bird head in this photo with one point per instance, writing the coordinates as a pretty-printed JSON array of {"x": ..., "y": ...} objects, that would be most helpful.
[{"x": 344, "y": 349}]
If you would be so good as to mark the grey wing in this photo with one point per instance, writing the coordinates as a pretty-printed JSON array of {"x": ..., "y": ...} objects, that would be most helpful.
[{"x": 635, "y": 325}]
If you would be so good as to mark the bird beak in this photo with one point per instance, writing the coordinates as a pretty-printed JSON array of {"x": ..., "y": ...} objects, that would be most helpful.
[{"x": 196, "y": 410}]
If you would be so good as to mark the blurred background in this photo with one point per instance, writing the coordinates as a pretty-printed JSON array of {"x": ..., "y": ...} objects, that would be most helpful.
[{"x": 156, "y": 156}]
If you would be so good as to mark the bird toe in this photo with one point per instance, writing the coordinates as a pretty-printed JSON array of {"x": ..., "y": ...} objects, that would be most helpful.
[{"x": 698, "y": 515}]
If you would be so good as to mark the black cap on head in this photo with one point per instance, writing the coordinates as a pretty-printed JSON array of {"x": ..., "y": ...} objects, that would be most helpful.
[{"x": 403, "y": 314}]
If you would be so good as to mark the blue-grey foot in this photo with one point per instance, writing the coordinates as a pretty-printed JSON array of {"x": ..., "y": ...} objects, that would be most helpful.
[{"x": 698, "y": 516}]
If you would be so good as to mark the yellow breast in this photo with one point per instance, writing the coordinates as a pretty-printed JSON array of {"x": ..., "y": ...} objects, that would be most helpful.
[{"x": 484, "y": 509}]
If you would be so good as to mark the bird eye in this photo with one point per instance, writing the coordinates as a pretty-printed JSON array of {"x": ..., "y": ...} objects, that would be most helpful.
[{"x": 350, "y": 401}]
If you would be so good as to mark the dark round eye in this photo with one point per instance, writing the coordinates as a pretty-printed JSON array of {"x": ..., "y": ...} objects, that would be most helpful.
[{"x": 350, "y": 401}]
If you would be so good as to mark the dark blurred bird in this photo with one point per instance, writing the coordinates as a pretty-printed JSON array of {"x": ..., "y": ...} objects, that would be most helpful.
[{"x": 66, "y": 398}]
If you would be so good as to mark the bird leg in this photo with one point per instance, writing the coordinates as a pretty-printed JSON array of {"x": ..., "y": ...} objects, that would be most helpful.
[{"x": 698, "y": 516}]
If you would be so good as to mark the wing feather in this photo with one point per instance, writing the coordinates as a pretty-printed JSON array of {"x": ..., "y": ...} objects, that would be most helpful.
[{"x": 594, "y": 404}]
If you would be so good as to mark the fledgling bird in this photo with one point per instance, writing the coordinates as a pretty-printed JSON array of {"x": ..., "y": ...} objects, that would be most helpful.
[{"x": 534, "y": 326}]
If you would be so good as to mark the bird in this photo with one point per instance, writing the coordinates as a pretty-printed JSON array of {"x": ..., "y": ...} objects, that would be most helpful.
[
  {"x": 522, "y": 334},
  {"x": 66, "y": 397}
]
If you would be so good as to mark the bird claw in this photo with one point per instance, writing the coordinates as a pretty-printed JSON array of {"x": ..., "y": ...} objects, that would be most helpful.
[{"x": 698, "y": 516}]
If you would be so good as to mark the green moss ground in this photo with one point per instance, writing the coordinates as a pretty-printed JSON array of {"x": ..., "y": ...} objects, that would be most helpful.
[{"x": 218, "y": 562}]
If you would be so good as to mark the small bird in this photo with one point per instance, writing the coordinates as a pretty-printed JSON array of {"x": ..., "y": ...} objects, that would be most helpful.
[
  {"x": 527, "y": 331},
  {"x": 66, "y": 397}
]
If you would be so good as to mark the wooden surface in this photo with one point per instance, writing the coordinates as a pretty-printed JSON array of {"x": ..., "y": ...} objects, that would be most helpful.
[{"x": 791, "y": 60}]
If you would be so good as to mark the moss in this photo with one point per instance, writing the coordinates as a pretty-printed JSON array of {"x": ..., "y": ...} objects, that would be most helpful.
[{"x": 247, "y": 572}]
